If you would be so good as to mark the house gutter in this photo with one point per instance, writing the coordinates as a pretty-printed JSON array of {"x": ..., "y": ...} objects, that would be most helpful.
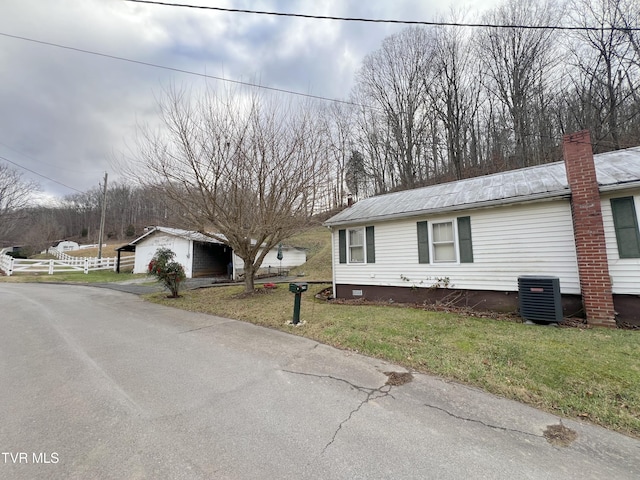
[{"x": 614, "y": 187}]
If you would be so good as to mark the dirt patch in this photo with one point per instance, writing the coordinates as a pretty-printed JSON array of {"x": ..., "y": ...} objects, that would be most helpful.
[
  {"x": 325, "y": 294},
  {"x": 398, "y": 378},
  {"x": 559, "y": 435},
  {"x": 574, "y": 323},
  {"x": 439, "y": 307}
]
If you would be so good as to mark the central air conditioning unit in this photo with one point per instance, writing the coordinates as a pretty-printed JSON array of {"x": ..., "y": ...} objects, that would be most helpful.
[{"x": 540, "y": 299}]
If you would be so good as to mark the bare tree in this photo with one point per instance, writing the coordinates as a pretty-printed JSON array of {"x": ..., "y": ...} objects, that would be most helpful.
[
  {"x": 629, "y": 14},
  {"x": 606, "y": 77},
  {"x": 393, "y": 80},
  {"x": 374, "y": 139},
  {"x": 516, "y": 61},
  {"x": 244, "y": 169},
  {"x": 455, "y": 94},
  {"x": 15, "y": 194},
  {"x": 338, "y": 125}
]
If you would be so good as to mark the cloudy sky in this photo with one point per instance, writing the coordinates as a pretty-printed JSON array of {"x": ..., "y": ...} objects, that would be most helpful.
[{"x": 66, "y": 114}]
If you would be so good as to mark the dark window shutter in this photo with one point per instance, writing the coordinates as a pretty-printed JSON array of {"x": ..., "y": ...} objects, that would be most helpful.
[
  {"x": 625, "y": 223},
  {"x": 342, "y": 245},
  {"x": 464, "y": 240},
  {"x": 371, "y": 246},
  {"x": 423, "y": 242}
]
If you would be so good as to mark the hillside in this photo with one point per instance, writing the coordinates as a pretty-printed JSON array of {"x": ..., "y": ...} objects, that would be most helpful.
[{"x": 317, "y": 241}]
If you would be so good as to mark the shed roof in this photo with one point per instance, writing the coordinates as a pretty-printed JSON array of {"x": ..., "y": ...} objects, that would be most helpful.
[
  {"x": 177, "y": 232},
  {"x": 187, "y": 234},
  {"x": 614, "y": 170}
]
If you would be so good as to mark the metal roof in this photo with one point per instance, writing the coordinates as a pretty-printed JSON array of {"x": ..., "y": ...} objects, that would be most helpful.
[
  {"x": 190, "y": 235},
  {"x": 615, "y": 170},
  {"x": 178, "y": 232}
]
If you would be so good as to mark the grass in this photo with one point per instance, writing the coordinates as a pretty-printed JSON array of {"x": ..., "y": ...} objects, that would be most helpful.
[
  {"x": 98, "y": 276},
  {"x": 317, "y": 241},
  {"x": 588, "y": 374},
  {"x": 107, "y": 251}
]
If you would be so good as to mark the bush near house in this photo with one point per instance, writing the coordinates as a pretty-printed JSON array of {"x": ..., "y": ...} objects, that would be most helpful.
[{"x": 167, "y": 271}]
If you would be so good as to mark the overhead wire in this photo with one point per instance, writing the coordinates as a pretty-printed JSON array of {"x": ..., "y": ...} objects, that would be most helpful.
[
  {"x": 381, "y": 20},
  {"x": 179, "y": 70},
  {"x": 280, "y": 14},
  {"x": 39, "y": 174},
  {"x": 34, "y": 159},
  {"x": 188, "y": 72}
]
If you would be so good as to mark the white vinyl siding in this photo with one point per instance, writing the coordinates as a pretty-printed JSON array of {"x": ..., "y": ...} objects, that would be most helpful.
[
  {"x": 509, "y": 241},
  {"x": 624, "y": 272},
  {"x": 146, "y": 249},
  {"x": 291, "y": 257}
]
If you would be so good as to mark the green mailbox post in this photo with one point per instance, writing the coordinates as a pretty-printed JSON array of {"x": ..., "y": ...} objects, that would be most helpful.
[{"x": 297, "y": 288}]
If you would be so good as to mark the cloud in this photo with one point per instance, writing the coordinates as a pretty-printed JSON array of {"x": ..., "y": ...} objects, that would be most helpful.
[{"x": 65, "y": 113}]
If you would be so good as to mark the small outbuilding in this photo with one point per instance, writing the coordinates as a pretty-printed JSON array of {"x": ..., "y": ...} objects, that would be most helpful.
[
  {"x": 66, "y": 246},
  {"x": 204, "y": 256}
]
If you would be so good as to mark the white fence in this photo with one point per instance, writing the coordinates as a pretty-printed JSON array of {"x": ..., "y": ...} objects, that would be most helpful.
[{"x": 65, "y": 263}]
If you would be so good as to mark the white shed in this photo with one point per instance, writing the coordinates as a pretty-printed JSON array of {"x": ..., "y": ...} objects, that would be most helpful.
[{"x": 203, "y": 256}]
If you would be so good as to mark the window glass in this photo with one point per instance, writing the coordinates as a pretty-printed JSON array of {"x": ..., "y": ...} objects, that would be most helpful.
[
  {"x": 625, "y": 223},
  {"x": 356, "y": 245},
  {"x": 444, "y": 249}
]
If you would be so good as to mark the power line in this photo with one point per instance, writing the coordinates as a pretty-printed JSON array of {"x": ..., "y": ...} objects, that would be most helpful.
[
  {"x": 179, "y": 70},
  {"x": 35, "y": 159},
  {"x": 39, "y": 174},
  {"x": 379, "y": 20}
]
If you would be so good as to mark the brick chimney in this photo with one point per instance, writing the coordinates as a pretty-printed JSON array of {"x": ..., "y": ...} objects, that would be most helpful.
[{"x": 593, "y": 265}]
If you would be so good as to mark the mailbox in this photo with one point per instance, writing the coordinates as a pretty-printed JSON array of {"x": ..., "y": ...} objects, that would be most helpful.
[{"x": 298, "y": 287}]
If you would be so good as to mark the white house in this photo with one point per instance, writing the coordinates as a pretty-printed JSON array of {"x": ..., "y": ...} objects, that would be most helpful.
[
  {"x": 203, "y": 256},
  {"x": 479, "y": 235}
]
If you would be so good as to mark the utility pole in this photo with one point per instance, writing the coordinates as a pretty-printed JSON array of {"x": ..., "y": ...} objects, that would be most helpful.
[{"x": 104, "y": 212}]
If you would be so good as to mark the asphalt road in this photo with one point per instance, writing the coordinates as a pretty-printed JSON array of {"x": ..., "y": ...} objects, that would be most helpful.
[{"x": 96, "y": 383}]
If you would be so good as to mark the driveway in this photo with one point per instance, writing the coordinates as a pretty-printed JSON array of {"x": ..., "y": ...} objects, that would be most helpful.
[
  {"x": 97, "y": 383},
  {"x": 143, "y": 286}
]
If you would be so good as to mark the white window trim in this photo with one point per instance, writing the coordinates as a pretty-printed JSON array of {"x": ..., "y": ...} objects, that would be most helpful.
[
  {"x": 432, "y": 250},
  {"x": 364, "y": 246}
]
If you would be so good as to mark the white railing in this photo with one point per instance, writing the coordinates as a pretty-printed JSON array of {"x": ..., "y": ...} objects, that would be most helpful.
[
  {"x": 66, "y": 263},
  {"x": 61, "y": 255}
]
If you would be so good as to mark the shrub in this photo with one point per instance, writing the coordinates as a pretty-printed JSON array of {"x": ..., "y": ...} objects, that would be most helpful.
[{"x": 167, "y": 271}]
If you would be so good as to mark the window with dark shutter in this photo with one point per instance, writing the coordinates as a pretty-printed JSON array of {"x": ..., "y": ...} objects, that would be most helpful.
[
  {"x": 342, "y": 245},
  {"x": 371, "y": 245},
  {"x": 423, "y": 242},
  {"x": 464, "y": 240},
  {"x": 625, "y": 222}
]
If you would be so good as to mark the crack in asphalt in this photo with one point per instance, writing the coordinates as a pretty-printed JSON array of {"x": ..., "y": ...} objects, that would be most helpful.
[
  {"x": 371, "y": 394},
  {"x": 355, "y": 410},
  {"x": 198, "y": 328},
  {"x": 488, "y": 425}
]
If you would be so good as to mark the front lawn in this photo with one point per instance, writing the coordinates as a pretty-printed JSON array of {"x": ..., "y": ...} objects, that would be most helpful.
[
  {"x": 95, "y": 276},
  {"x": 588, "y": 374}
]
